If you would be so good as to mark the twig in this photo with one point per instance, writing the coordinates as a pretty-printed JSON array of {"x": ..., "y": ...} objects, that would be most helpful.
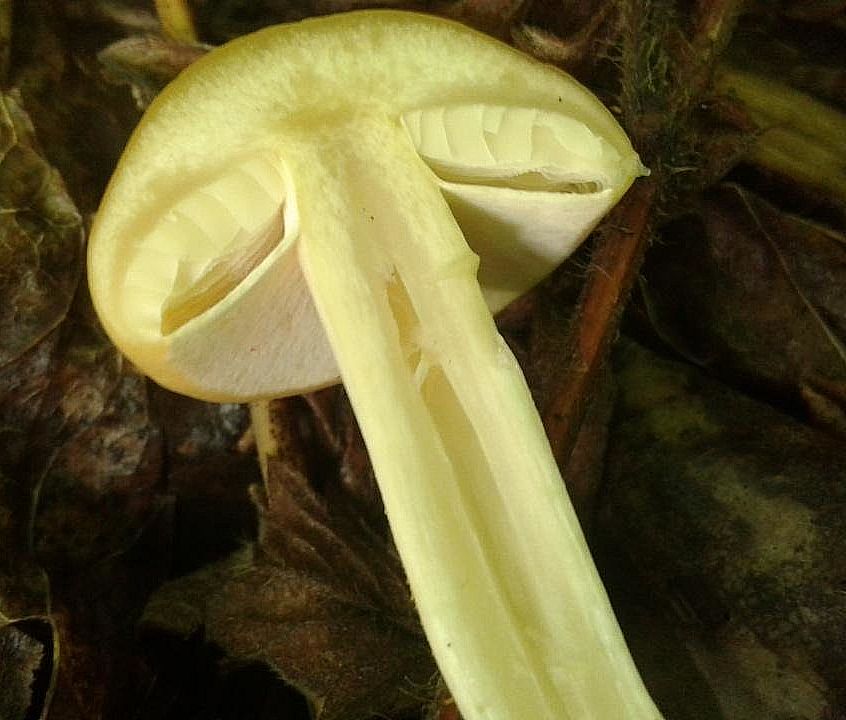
[
  {"x": 5, "y": 38},
  {"x": 614, "y": 266}
]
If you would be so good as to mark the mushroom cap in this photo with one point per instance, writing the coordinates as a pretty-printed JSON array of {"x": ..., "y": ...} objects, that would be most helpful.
[{"x": 197, "y": 232}]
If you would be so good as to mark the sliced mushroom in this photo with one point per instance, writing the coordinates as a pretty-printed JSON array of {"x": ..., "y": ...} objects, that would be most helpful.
[{"x": 294, "y": 207}]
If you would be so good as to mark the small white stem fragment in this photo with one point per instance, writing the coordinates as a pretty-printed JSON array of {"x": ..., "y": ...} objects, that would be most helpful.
[{"x": 177, "y": 22}]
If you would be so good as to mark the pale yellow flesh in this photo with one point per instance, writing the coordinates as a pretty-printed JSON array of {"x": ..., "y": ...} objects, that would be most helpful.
[
  {"x": 511, "y": 603},
  {"x": 282, "y": 245},
  {"x": 238, "y": 104}
]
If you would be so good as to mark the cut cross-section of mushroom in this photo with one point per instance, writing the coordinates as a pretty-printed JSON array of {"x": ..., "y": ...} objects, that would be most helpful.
[
  {"x": 204, "y": 246},
  {"x": 514, "y": 177},
  {"x": 299, "y": 204},
  {"x": 514, "y": 147}
]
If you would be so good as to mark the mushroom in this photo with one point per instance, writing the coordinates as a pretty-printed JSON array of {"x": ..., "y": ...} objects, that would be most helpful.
[{"x": 296, "y": 206}]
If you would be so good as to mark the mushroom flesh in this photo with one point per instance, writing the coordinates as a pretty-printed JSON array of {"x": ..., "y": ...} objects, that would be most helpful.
[{"x": 352, "y": 197}]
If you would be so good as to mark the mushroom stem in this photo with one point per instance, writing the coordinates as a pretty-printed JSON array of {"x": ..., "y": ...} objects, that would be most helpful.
[
  {"x": 508, "y": 595},
  {"x": 177, "y": 22}
]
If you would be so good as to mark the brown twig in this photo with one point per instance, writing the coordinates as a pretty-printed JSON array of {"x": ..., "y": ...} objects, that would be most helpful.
[
  {"x": 617, "y": 258},
  {"x": 614, "y": 266},
  {"x": 5, "y": 37}
]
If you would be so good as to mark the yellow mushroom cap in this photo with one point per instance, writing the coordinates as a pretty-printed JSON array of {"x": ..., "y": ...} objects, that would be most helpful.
[{"x": 193, "y": 263}]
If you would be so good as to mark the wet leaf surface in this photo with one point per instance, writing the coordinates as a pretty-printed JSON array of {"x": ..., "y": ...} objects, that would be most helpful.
[
  {"x": 83, "y": 121},
  {"x": 754, "y": 295},
  {"x": 729, "y": 515},
  {"x": 80, "y": 461},
  {"x": 23, "y": 664},
  {"x": 41, "y": 233}
]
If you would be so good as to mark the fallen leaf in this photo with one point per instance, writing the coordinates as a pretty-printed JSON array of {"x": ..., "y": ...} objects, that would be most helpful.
[
  {"x": 813, "y": 10},
  {"x": 41, "y": 231},
  {"x": 25, "y": 668},
  {"x": 320, "y": 598},
  {"x": 95, "y": 519},
  {"x": 754, "y": 295},
  {"x": 80, "y": 460},
  {"x": 83, "y": 121},
  {"x": 729, "y": 515}
]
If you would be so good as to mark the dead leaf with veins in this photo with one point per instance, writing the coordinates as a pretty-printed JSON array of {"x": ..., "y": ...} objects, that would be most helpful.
[
  {"x": 765, "y": 303},
  {"x": 41, "y": 230},
  {"x": 321, "y": 597}
]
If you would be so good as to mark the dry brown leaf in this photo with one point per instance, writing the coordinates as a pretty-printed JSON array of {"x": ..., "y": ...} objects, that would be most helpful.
[
  {"x": 79, "y": 460},
  {"x": 25, "y": 667},
  {"x": 321, "y": 599},
  {"x": 40, "y": 238},
  {"x": 753, "y": 294},
  {"x": 83, "y": 122},
  {"x": 730, "y": 518}
]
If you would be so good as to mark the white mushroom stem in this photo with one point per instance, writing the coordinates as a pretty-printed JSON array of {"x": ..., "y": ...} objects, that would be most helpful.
[
  {"x": 509, "y": 597},
  {"x": 190, "y": 281}
]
